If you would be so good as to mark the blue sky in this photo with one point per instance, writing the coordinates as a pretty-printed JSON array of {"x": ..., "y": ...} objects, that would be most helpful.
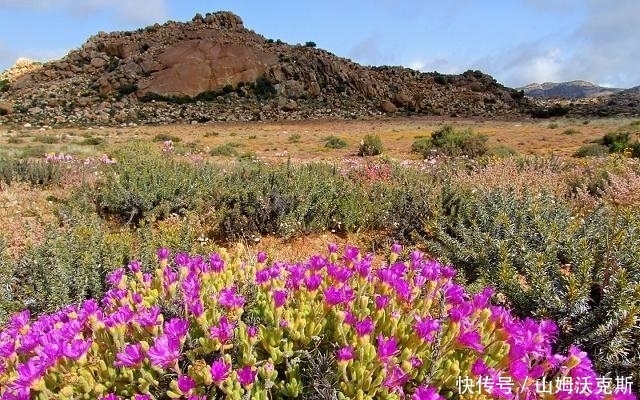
[{"x": 516, "y": 41}]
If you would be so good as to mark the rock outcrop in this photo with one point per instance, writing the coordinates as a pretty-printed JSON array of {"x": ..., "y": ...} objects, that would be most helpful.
[{"x": 213, "y": 68}]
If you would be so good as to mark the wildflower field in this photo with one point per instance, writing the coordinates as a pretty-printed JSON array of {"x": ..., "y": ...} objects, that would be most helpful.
[{"x": 153, "y": 269}]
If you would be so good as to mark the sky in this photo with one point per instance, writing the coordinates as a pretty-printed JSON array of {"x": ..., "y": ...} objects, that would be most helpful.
[{"x": 516, "y": 41}]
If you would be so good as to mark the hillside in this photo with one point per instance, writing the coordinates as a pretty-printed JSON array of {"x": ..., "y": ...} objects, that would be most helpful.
[
  {"x": 213, "y": 68},
  {"x": 567, "y": 90}
]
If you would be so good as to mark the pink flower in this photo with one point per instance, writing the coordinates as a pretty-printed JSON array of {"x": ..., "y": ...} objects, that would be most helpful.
[
  {"x": 426, "y": 393},
  {"x": 345, "y": 353},
  {"x": 76, "y": 348},
  {"x": 381, "y": 301},
  {"x": 387, "y": 347},
  {"x": 426, "y": 328},
  {"x": 163, "y": 253},
  {"x": 471, "y": 340},
  {"x": 186, "y": 383},
  {"x": 312, "y": 282},
  {"x": 165, "y": 351},
  {"x": 131, "y": 356},
  {"x": 279, "y": 297},
  {"x": 224, "y": 331},
  {"x": 252, "y": 331},
  {"x": 229, "y": 297},
  {"x": 246, "y": 375},
  {"x": 176, "y": 327},
  {"x": 261, "y": 257},
  {"x": 220, "y": 371},
  {"x": 395, "y": 379},
  {"x": 364, "y": 327}
]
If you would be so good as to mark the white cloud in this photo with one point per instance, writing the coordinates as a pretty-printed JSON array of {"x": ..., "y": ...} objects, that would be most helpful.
[
  {"x": 126, "y": 11},
  {"x": 439, "y": 64}
]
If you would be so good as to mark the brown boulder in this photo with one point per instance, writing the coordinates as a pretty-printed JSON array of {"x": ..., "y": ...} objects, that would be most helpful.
[
  {"x": 387, "y": 106},
  {"x": 198, "y": 66},
  {"x": 401, "y": 99},
  {"x": 5, "y": 108}
]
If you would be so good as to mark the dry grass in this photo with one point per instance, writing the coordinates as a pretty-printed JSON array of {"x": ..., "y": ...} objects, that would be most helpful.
[{"x": 25, "y": 210}]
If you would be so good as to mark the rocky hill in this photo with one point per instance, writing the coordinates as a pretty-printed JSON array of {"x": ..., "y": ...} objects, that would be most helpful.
[
  {"x": 213, "y": 68},
  {"x": 567, "y": 90}
]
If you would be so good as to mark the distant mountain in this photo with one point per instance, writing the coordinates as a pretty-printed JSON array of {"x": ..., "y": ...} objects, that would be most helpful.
[{"x": 567, "y": 90}]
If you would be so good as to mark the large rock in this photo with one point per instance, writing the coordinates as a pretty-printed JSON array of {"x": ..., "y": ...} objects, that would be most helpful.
[
  {"x": 198, "y": 66},
  {"x": 5, "y": 108}
]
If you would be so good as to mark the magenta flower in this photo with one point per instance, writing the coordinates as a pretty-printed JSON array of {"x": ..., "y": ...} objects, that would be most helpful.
[
  {"x": 134, "y": 266},
  {"x": 148, "y": 317},
  {"x": 220, "y": 371},
  {"x": 312, "y": 282},
  {"x": 381, "y": 301},
  {"x": 261, "y": 257},
  {"x": 224, "y": 331},
  {"x": 76, "y": 348},
  {"x": 252, "y": 331},
  {"x": 115, "y": 277},
  {"x": 351, "y": 253},
  {"x": 163, "y": 253},
  {"x": 471, "y": 340},
  {"x": 229, "y": 297},
  {"x": 186, "y": 383},
  {"x": 426, "y": 328},
  {"x": 395, "y": 379},
  {"x": 426, "y": 393},
  {"x": 387, "y": 347},
  {"x": 216, "y": 262},
  {"x": 131, "y": 356},
  {"x": 262, "y": 276},
  {"x": 364, "y": 327},
  {"x": 345, "y": 353},
  {"x": 141, "y": 397},
  {"x": 279, "y": 297},
  {"x": 29, "y": 372},
  {"x": 332, "y": 247},
  {"x": 396, "y": 248},
  {"x": 165, "y": 351},
  {"x": 176, "y": 327},
  {"x": 246, "y": 375}
]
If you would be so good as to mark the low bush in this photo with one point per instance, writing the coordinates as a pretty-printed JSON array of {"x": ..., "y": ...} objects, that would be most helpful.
[
  {"x": 451, "y": 142},
  {"x": 370, "y": 145},
  {"x": 617, "y": 142},
  {"x": 163, "y": 137},
  {"x": 334, "y": 142},
  {"x": 328, "y": 327},
  {"x": 592, "y": 150},
  {"x": 550, "y": 262},
  {"x": 34, "y": 172},
  {"x": 146, "y": 183},
  {"x": 224, "y": 150}
]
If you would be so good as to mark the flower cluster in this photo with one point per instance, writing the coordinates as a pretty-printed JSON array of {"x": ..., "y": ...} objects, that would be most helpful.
[
  {"x": 223, "y": 326},
  {"x": 58, "y": 158}
]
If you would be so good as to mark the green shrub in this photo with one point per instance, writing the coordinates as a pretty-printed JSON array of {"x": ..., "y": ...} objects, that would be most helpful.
[
  {"x": 4, "y": 85},
  {"x": 146, "y": 183},
  {"x": 548, "y": 262},
  {"x": 371, "y": 145},
  {"x": 15, "y": 140},
  {"x": 570, "y": 131},
  {"x": 224, "y": 150},
  {"x": 163, "y": 137},
  {"x": 553, "y": 125},
  {"x": 501, "y": 151},
  {"x": 592, "y": 150},
  {"x": 310, "y": 44},
  {"x": 47, "y": 139},
  {"x": 334, "y": 142},
  {"x": 294, "y": 138},
  {"x": 451, "y": 142},
  {"x": 617, "y": 142},
  {"x": 35, "y": 172},
  {"x": 422, "y": 146},
  {"x": 92, "y": 141}
]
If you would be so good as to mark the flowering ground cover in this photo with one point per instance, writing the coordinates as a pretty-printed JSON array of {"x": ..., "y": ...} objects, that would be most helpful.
[{"x": 341, "y": 325}]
